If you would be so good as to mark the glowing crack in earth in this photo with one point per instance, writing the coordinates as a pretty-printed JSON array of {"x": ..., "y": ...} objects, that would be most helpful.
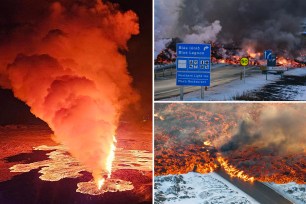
[{"x": 62, "y": 165}]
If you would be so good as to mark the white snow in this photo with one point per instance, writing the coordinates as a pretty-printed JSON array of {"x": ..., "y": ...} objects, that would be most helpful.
[
  {"x": 298, "y": 72},
  {"x": 198, "y": 188},
  {"x": 296, "y": 193},
  {"x": 228, "y": 91}
]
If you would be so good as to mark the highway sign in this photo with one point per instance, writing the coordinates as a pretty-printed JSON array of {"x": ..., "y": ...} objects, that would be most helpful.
[
  {"x": 193, "y": 64},
  {"x": 268, "y": 54},
  {"x": 244, "y": 61},
  {"x": 272, "y": 61},
  {"x": 193, "y": 50}
]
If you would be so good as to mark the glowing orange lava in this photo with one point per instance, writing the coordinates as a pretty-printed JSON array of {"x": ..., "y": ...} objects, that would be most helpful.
[
  {"x": 234, "y": 172},
  {"x": 207, "y": 143}
]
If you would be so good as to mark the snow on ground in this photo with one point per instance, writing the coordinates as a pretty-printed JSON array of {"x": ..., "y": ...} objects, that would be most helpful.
[
  {"x": 228, "y": 91},
  {"x": 298, "y": 72},
  {"x": 198, "y": 188},
  {"x": 291, "y": 191}
]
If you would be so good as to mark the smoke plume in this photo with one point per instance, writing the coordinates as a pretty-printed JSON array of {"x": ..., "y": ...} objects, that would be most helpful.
[
  {"x": 279, "y": 129},
  {"x": 64, "y": 59},
  {"x": 275, "y": 24}
]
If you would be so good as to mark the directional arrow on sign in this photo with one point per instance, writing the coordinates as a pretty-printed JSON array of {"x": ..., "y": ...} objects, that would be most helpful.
[{"x": 269, "y": 55}]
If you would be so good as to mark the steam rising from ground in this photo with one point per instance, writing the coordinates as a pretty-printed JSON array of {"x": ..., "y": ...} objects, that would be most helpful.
[
  {"x": 64, "y": 59},
  {"x": 263, "y": 25}
]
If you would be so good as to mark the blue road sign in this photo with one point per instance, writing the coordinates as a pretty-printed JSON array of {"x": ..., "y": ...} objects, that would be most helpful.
[
  {"x": 272, "y": 61},
  {"x": 193, "y": 50},
  {"x": 193, "y": 64},
  {"x": 268, "y": 54}
]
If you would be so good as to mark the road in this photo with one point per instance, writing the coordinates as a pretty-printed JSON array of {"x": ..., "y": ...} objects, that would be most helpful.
[
  {"x": 256, "y": 190},
  {"x": 165, "y": 87}
]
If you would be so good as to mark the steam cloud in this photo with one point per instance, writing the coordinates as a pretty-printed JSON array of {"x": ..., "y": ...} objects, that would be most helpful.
[
  {"x": 64, "y": 59},
  {"x": 265, "y": 25}
]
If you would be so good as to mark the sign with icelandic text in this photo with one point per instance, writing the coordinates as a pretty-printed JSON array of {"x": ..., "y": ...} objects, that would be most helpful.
[{"x": 193, "y": 64}]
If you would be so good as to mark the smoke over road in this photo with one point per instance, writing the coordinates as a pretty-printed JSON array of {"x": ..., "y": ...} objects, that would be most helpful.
[
  {"x": 258, "y": 24},
  {"x": 64, "y": 59}
]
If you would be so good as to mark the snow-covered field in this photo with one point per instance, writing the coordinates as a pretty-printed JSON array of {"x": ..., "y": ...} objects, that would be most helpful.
[
  {"x": 227, "y": 92},
  {"x": 296, "y": 193},
  {"x": 198, "y": 188},
  {"x": 300, "y": 72}
]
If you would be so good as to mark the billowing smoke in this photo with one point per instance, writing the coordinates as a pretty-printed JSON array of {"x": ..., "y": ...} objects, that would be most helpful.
[
  {"x": 275, "y": 24},
  {"x": 279, "y": 129},
  {"x": 64, "y": 59},
  {"x": 201, "y": 34}
]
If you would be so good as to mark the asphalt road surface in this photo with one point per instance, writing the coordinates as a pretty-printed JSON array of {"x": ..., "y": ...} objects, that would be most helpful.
[
  {"x": 256, "y": 190},
  {"x": 165, "y": 87}
]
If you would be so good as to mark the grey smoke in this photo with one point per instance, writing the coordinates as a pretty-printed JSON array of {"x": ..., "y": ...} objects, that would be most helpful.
[
  {"x": 281, "y": 130},
  {"x": 273, "y": 24}
]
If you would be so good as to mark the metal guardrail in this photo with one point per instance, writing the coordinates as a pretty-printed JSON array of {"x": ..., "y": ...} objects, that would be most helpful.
[{"x": 163, "y": 67}]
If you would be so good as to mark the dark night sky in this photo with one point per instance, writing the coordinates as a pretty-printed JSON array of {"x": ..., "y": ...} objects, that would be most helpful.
[
  {"x": 139, "y": 59},
  {"x": 140, "y": 51}
]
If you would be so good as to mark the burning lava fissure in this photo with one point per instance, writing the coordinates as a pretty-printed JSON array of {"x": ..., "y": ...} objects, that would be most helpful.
[
  {"x": 231, "y": 54},
  {"x": 253, "y": 142}
]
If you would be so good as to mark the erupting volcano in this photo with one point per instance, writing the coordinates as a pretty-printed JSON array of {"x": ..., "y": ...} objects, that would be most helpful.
[
  {"x": 70, "y": 62},
  {"x": 66, "y": 66}
]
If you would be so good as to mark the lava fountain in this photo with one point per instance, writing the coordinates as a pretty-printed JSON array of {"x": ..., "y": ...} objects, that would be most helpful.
[
  {"x": 109, "y": 164},
  {"x": 65, "y": 59}
]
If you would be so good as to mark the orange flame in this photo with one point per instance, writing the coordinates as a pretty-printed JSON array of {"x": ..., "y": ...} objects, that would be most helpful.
[
  {"x": 207, "y": 143},
  {"x": 159, "y": 116},
  {"x": 234, "y": 172}
]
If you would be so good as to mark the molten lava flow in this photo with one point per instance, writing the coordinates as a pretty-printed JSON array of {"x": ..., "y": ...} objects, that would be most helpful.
[
  {"x": 234, "y": 172},
  {"x": 251, "y": 150},
  {"x": 207, "y": 143},
  {"x": 230, "y": 54}
]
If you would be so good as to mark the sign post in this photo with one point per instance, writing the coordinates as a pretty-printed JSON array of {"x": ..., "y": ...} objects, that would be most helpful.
[
  {"x": 271, "y": 62},
  {"x": 181, "y": 93},
  {"x": 244, "y": 62},
  {"x": 193, "y": 66}
]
